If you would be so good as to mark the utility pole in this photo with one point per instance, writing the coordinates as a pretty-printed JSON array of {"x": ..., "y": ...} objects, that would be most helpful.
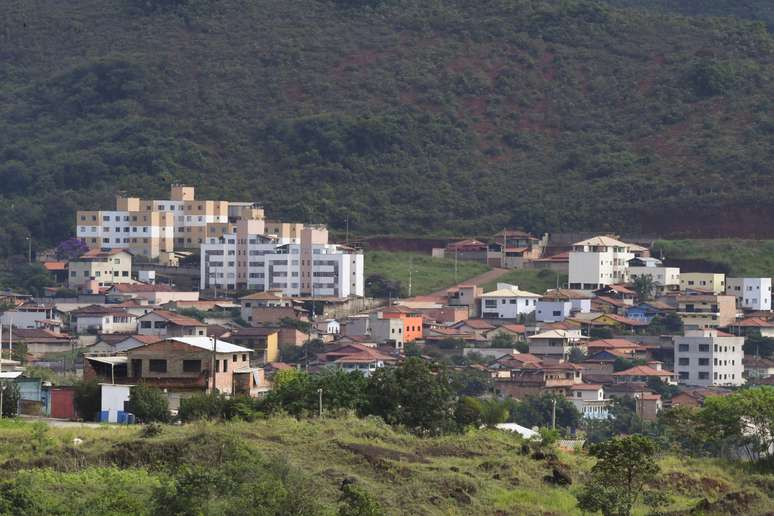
[
  {"x": 553, "y": 413},
  {"x": 212, "y": 366},
  {"x": 319, "y": 394},
  {"x": 455, "y": 264},
  {"x": 411, "y": 266},
  {"x": 29, "y": 248},
  {"x": 2, "y": 383}
]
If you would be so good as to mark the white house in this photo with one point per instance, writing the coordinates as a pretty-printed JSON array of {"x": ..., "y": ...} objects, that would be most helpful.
[
  {"x": 103, "y": 319},
  {"x": 599, "y": 261},
  {"x": 507, "y": 302},
  {"x": 30, "y": 316},
  {"x": 664, "y": 279},
  {"x": 555, "y": 343},
  {"x": 750, "y": 293},
  {"x": 557, "y": 305},
  {"x": 708, "y": 357},
  {"x": 590, "y": 400}
]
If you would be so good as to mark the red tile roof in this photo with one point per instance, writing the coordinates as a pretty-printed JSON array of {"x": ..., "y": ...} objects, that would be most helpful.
[
  {"x": 644, "y": 370},
  {"x": 175, "y": 318},
  {"x": 625, "y": 320},
  {"x": 754, "y": 322},
  {"x": 55, "y": 266},
  {"x": 586, "y": 387},
  {"x": 477, "y": 324},
  {"x": 610, "y": 301},
  {"x": 612, "y": 344},
  {"x": 130, "y": 288}
]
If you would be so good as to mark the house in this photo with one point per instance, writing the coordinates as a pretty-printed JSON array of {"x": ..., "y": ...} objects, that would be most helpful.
[
  {"x": 643, "y": 373},
  {"x": 31, "y": 315},
  {"x": 170, "y": 324},
  {"x": 559, "y": 263},
  {"x": 711, "y": 282},
  {"x": 753, "y": 326},
  {"x": 622, "y": 346},
  {"x": 154, "y": 294},
  {"x": 663, "y": 279},
  {"x": 102, "y": 319},
  {"x": 436, "y": 334},
  {"x": 609, "y": 305},
  {"x": 603, "y": 362},
  {"x": 263, "y": 341},
  {"x": 478, "y": 327},
  {"x": 694, "y": 397},
  {"x": 185, "y": 365},
  {"x": 757, "y": 367},
  {"x": 589, "y": 399},
  {"x": 750, "y": 293},
  {"x": 465, "y": 295},
  {"x": 118, "y": 343},
  {"x": 618, "y": 321},
  {"x": 706, "y": 311},
  {"x": 619, "y": 292},
  {"x": 57, "y": 271},
  {"x": 514, "y": 360},
  {"x": 518, "y": 332},
  {"x": 507, "y": 302},
  {"x": 555, "y": 343},
  {"x": 12, "y": 299},
  {"x": 396, "y": 325},
  {"x": 516, "y": 248},
  {"x": 103, "y": 266},
  {"x": 648, "y": 310},
  {"x": 648, "y": 405},
  {"x": 40, "y": 341},
  {"x": 356, "y": 357},
  {"x": 597, "y": 262},
  {"x": 468, "y": 250},
  {"x": 557, "y": 377},
  {"x": 709, "y": 358},
  {"x": 330, "y": 327}
]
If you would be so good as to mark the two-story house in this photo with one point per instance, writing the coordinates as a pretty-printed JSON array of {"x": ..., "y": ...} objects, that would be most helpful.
[
  {"x": 95, "y": 319},
  {"x": 508, "y": 302},
  {"x": 170, "y": 324},
  {"x": 555, "y": 343}
]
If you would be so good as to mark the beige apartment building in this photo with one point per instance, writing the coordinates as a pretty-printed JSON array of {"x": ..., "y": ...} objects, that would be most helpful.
[
  {"x": 154, "y": 227},
  {"x": 701, "y": 312},
  {"x": 104, "y": 267}
]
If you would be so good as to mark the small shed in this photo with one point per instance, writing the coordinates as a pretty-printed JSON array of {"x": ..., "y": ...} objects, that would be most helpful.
[{"x": 63, "y": 402}]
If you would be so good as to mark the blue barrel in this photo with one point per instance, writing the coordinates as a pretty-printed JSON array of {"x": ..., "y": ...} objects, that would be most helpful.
[{"x": 104, "y": 416}]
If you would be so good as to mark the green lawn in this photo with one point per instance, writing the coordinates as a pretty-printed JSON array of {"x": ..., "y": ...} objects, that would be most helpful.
[
  {"x": 537, "y": 281},
  {"x": 429, "y": 274},
  {"x": 743, "y": 257}
]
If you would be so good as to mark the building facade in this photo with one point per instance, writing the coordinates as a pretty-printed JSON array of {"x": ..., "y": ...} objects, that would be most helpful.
[
  {"x": 703, "y": 281},
  {"x": 750, "y": 293},
  {"x": 508, "y": 302},
  {"x": 103, "y": 267},
  {"x": 705, "y": 311},
  {"x": 705, "y": 358},
  {"x": 310, "y": 267},
  {"x": 664, "y": 279},
  {"x": 597, "y": 262}
]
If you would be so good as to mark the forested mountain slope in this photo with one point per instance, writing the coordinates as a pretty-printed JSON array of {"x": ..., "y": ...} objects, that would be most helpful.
[
  {"x": 760, "y": 10},
  {"x": 433, "y": 117}
]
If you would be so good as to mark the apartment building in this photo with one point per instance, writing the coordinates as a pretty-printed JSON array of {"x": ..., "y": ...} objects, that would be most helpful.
[
  {"x": 153, "y": 227},
  {"x": 706, "y": 311},
  {"x": 508, "y": 302},
  {"x": 599, "y": 261},
  {"x": 703, "y": 281},
  {"x": 664, "y": 279},
  {"x": 248, "y": 259},
  {"x": 709, "y": 358},
  {"x": 106, "y": 267},
  {"x": 750, "y": 293}
]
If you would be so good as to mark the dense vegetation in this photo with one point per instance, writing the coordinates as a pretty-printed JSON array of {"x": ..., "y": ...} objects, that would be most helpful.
[
  {"x": 404, "y": 116},
  {"x": 762, "y": 10},
  {"x": 732, "y": 256}
]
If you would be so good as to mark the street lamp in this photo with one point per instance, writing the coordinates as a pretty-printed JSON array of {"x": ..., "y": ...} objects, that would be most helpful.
[{"x": 29, "y": 248}]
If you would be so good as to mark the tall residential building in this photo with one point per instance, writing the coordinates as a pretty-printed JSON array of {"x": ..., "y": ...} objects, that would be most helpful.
[
  {"x": 599, "y": 261},
  {"x": 704, "y": 311},
  {"x": 708, "y": 357},
  {"x": 750, "y": 293},
  {"x": 304, "y": 266},
  {"x": 713, "y": 282},
  {"x": 152, "y": 227}
]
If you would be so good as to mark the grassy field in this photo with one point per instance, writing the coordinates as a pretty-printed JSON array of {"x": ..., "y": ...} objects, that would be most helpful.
[
  {"x": 481, "y": 472},
  {"x": 743, "y": 257},
  {"x": 530, "y": 280},
  {"x": 429, "y": 274}
]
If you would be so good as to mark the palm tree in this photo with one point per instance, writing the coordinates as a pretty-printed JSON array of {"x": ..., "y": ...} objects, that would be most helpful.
[{"x": 644, "y": 287}]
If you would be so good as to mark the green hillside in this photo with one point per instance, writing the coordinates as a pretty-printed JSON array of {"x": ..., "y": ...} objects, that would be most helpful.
[
  {"x": 761, "y": 10},
  {"x": 286, "y": 466},
  {"x": 406, "y": 116}
]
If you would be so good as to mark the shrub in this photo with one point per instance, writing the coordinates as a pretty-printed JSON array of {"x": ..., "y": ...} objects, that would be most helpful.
[{"x": 148, "y": 404}]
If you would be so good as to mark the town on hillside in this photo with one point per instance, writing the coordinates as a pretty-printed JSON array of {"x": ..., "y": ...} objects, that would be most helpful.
[{"x": 199, "y": 296}]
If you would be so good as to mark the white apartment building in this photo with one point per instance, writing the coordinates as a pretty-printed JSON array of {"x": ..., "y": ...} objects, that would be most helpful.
[
  {"x": 599, "y": 261},
  {"x": 104, "y": 267},
  {"x": 311, "y": 267},
  {"x": 705, "y": 358},
  {"x": 664, "y": 278},
  {"x": 750, "y": 293},
  {"x": 507, "y": 302},
  {"x": 155, "y": 227}
]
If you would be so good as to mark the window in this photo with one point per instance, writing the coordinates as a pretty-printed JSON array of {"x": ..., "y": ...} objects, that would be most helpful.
[
  {"x": 233, "y": 358},
  {"x": 225, "y": 365},
  {"x": 146, "y": 324},
  {"x": 244, "y": 357},
  {"x": 703, "y": 375},
  {"x": 160, "y": 324},
  {"x": 557, "y": 313},
  {"x": 513, "y": 301},
  {"x": 157, "y": 365},
  {"x": 684, "y": 361},
  {"x": 192, "y": 366},
  {"x": 683, "y": 348},
  {"x": 684, "y": 375},
  {"x": 704, "y": 361},
  {"x": 704, "y": 348}
]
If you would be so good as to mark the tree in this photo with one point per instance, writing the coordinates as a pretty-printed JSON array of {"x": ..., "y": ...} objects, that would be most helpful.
[
  {"x": 148, "y": 404},
  {"x": 624, "y": 468},
  {"x": 356, "y": 501},
  {"x": 644, "y": 287},
  {"x": 379, "y": 286},
  {"x": 493, "y": 412},
  {"x": 600, "y": 332},
  {"x": 537, "y": 410},
  {"x": 577, "y": 355},
  {"x": 11, "y": 397},
  {"x": 70, "y": 249},
  {"x": 471, "y": 382},
  {"x": 87, "y": 399},
  {"x": 411, "y": 395},
  {"x": 503, "y": 340}
]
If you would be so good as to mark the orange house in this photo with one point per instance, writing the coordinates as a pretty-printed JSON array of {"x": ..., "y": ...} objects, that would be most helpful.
[{"x": 412, "y": 321}]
